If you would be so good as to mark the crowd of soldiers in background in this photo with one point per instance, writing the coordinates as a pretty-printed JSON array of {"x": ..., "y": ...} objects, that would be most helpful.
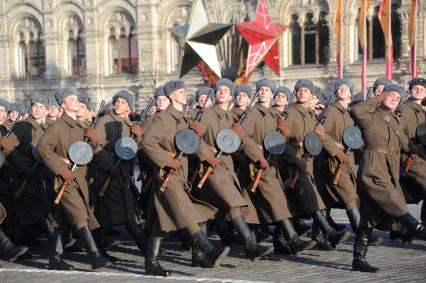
[{"x": 248, "y": 163}]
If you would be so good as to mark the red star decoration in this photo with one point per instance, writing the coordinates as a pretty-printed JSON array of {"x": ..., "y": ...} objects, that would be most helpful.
[{"x": 262, "y": 37}]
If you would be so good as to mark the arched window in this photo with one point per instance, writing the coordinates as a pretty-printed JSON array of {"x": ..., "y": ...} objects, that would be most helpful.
[
  {"x": 379, "y": 47},
  {"x": 76, "y": 55},
  {"x": 295, "y": 41},
  {"x": 122, "y": 44},
  {"x": 309, "y": 39},
  {"x": 323, "y": 39},
  {"x": 31, "y": 57}
]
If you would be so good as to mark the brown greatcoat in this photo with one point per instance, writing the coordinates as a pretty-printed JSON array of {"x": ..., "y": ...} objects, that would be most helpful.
[
  {"x": 412, "y": 115},
  {"x": 270, "y": 200},
  {"x": 118, "y": 204},
  {"x": 33, "y": 206},
  {"x": 300, "y": 122},
  {"x": 222, "y": 188},
  {"x": 53, "y": 147},
  {"x": 378, "y": 175},
  {"x": 174, "y": 208},
  {"x": 337, "y": 119}
]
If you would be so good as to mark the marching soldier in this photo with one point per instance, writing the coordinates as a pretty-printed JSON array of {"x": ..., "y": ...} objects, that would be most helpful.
[
  {"x": 13, "y": 113},
  {"x": 223, "y": 189},
  {"x": 54, "y": 111},
  {"x": 281, "y": 97},
  {"x": 379, "y": 85},
  {"x": 381, "y": 199},
  {"x": 336, "y": 120},
  {"x": 4, "y": 108},
  {"x": 31, "y": 202},
  {"x": 202, "y": 97},
  {"x": 117, "y": 206},
  {"x": 413, "y": 115},
  {"x": 73, "y": 209},
  {"x": 174, "y": 208},
  {"x": 269, "y": 199},
  {"x": 301, "y": 121}
]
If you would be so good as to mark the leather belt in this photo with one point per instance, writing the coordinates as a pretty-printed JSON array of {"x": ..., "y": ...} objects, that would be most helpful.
[{"x": 391, "y": 151}]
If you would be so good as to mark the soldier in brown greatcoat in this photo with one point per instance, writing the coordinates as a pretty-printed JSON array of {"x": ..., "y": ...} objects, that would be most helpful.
[
  {"x": 412, "y": 115},
  {"x": 381, "y": 198},
  {"x": 336, "y": 120},
  {"x": 174, "y": 208},
  {"x": 117, "y": 206},
  {"x": 222, "y": 186},
  {"x": 7, "y": 249},
  {"x": 301, "y": 121},
  {"x": 73, "y": 209},
  {"x": 269, "y": 199},
  {"x": 31, "y": 203}
]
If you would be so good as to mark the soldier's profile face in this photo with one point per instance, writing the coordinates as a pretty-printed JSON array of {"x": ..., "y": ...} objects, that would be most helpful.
[
  {"x": 379, "y": 89},
  {"x": 304, "y": 95},
  {"x": 418, "y": 92},
  {"x": 162, "y": 102},
  {"x": 265, "y": 94},
  {"x": 343, "y": 92},
  {"x": 392, "y": 100},
  {"x": 179, "y": 96},
  {"x": 3, "y": 113},
  {"x": 242, "y": 99},
  {"x": 280, "y": 99},
  {"x": 53, "y": 111},
  {"x": 71, "y": 103},
  {"x": 38, "y": 110},
  {"x": 121, "y": 106},
  {"x": 223, "y": 94},
  {"x": 82, "y": 112},
  {"x": 202, "y": 100}
]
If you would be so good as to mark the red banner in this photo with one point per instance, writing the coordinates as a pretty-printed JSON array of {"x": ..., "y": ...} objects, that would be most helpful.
[{"x": 385, "y": 21}]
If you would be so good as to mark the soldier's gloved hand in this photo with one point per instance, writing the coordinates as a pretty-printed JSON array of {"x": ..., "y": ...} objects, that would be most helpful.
[
  {"x": 6, "y": 145},
  {"x": 114, "y": 171},
  {"x": 381, "y": 97},
  {"x": 67, "y": 175},
  {"x": 282, "y": 127},
  {"x": 236, "y": 127},
  {"x": 319, "y": 130},
  {"x": 137, "y": 132},
  {"x": 196, "y": 126},
  {"x": 413, "y": 148},
  {"x": 213, "y": 162},
  {"x": 301, "y": 164},
  {"x": 174, "y": 164},
  {"x": 263, "y": 163},
  {"x": 343, "y": 158},
  {"x": 91, "y": 134}
]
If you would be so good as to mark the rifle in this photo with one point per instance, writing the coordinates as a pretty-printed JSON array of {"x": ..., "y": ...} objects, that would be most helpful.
[
  {"x": 241, "y": 119},
  {"x": 74, "y": 165},
  {"x": 306, "y": 155},
  {"x": 117, "y": 163},
  {"x": 198, "y": 117}
]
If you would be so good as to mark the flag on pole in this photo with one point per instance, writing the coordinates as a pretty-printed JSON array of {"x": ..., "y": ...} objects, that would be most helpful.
[
  {"x": 338, "y": 26},
  {"x": 412, "y": 25},
  {"x": 363, "y": 43},
  {"x": 385, "y": 22}
]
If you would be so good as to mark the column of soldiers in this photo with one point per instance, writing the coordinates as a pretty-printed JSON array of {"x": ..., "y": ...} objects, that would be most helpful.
[{"x": 68, "y": 170}]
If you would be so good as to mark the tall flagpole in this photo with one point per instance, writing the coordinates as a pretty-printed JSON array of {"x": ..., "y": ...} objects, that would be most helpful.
[{"x": 412, "y": 28}]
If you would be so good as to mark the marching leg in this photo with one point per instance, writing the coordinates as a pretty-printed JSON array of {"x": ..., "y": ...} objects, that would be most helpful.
[
  {"x": 152, "y": 264},
  {"x": 98, "y": 260},
  {"x": 55, "y": 260},
  {"x": 359, "y": 262}
]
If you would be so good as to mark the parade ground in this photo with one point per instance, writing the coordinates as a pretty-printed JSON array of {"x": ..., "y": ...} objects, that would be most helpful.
[{"x": 398, "y": 263}]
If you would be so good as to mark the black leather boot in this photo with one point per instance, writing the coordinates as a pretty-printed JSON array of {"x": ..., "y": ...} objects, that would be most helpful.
[
  {"x": 322, "y": 243},
  {"x": 8, "y": 250},
  {"x": 152, "y": 264},
  {"x": 280, "y": 244},
  {"x": 55, "y": 260},
  {"x": 292, "y": 238},
  {"x": 354, "y": 218},
  {"x": 47, "y": 229},
  {"x": 97, "y": 259},
  {"x": 336, "y": 226},
  {"x": 213, "y": 255},
  {"x": 101, "y": 241},
  {"x": 334, "y": 237},
  {"x": 226, "y": 234},
  {"x": 414, "y": 226},
  {"x": 360, "y": 251},
  {"x": 253, "y": 250},
  {"x": 300, "y": 226},
  {"x": 137, "y": 234},
  {"x": 198, "y": 258}
]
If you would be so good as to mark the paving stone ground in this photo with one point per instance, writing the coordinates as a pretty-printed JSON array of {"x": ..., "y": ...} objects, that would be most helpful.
[{"x": 398, "y": 263}]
